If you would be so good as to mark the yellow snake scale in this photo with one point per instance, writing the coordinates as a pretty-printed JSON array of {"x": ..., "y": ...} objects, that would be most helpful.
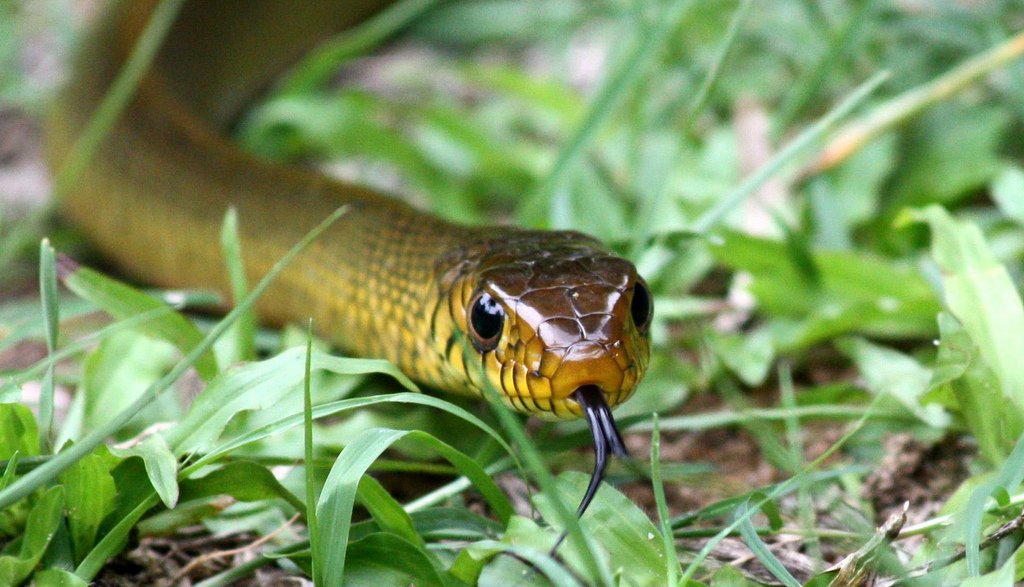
[{"x": 546, "y": 317}]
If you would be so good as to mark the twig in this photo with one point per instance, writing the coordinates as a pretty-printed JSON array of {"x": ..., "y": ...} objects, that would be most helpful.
[
  {"x": 857, "y": 133},
  {"x": 857, "y": 567},
  {"x": 219, "y": 554},
  {"x": 1005, "y": 530}
]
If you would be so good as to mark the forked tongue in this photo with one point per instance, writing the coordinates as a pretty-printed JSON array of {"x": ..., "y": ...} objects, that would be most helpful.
[{"x": 606, "y": 438}]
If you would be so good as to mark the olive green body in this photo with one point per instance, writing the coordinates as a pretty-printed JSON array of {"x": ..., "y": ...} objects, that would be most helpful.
[{"x": 385, "y": 281}]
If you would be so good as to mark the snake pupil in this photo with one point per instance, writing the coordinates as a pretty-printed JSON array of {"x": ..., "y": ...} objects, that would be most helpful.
[
  {"x": 641, "y": 307},
  {"x": 485, "y": 319}
]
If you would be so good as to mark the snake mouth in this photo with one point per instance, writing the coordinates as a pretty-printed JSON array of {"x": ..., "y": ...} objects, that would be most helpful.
[{"x": 606, "y": 437}]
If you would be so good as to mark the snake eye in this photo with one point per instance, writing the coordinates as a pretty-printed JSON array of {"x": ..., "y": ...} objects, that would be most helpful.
[
  {"x": 485, "y": 319},
  {"x": 641, "y": 307}
]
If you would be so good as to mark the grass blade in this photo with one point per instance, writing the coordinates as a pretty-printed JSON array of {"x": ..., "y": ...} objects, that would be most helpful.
[
  {"x": 123, "y": 301},
  {"x": 700, "y": 99},
  {"x": 760, "y": 549},
  {"x": 51, "y": 320},
  {"x": 823, "y": 126},
  {"x": 334, "y": 408},
  {"x": 339, "y": 493},
  {"x": 243, "y": 334},
  {"x": 543, "y": 562},
  {"x": 86, "y": 342},
  {"x": 113, "y": 541},
  {"x": 116, "y": 98},
  {"x": 49, "y": 470},
  {"x": 897, "y": 110},
  {"x": 672, "y": 566},
  {"x": 780, "y": 489},
  {"x": 307, "y": 415},
  {"x": 1010, "y": 476},
  {"x": 618, "y": 85},
  {"x": 259, "y": 386},
  {"x": 318, "y": 69}
]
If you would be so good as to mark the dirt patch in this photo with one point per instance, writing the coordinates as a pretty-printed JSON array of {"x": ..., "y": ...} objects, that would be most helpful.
[{"x": 923, "y": 474}]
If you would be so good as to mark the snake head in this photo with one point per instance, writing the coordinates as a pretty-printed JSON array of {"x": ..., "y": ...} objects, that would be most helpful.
[{"x": 543, "y": 315}]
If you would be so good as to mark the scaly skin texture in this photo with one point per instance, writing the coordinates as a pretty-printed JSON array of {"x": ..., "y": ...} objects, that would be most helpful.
[{"x": 386, "y": 280}]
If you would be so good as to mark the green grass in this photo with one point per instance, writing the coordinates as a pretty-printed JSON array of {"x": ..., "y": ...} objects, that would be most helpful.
[{"x": 880, "y": 295}]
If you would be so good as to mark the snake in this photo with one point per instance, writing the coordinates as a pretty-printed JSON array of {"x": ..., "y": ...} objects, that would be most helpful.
[{"x": 552, "y": 321}]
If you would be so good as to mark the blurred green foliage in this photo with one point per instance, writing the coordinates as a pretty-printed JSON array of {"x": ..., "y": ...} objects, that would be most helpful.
[{"x": 887, "y": 285}]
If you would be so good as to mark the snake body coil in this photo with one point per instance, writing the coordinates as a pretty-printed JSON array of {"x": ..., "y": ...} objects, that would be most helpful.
[{"x": 540, "y": 315}]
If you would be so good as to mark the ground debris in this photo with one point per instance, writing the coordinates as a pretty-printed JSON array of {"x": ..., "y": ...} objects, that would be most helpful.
[
  {"x": 160, "y": 561},
  {"x": 921, "y": 474}
]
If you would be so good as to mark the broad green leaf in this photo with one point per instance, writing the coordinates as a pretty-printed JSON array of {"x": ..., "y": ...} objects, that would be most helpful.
[
  {"x": 729, "y": 576},
  {"x": 120, "y": 370},
  {"x": 454, "y": 523},
  {"x": 386, "y": 511},
  {"x": 950, "y": 152},
  {"x": 505, "y": 570},
  {"x": 18, "y": 431},
  {"x": 9, "y": 470},
  {"x": 161, "y": 466},
  {"x": 886, "y": 371},
  {"x": 334, "y": 510},
  {"x": 58, "y": 578},
  {"x": 858, "y": 292},
  {"x": 259, "y": 386},
  {"x": 89, "y": 493},
  {"x": 243, "y": 480},
  {"x": 39, "y": 530},
  {"x": 386, "y": 559},
  {"x": 981, "y": 294},
  {"x": 956, "y": 351},
  {"x": 10, "y": 386},
  {"x": 629, "y": 538},
  {"x": 60, "y": 553},
  {"x": 1008, "y": 193},
  {"x": 135, "y": 498},
  {"x": 115, "y": 539},
  {"x": 122, "y": 301},
  {"x": 748, "y": 355},
  {"x": 963, "y": 382},
  {"x": 523, "y": 539}
]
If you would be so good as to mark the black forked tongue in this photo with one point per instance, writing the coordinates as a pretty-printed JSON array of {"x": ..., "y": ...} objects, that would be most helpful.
[{"x": 606, "y": 437}]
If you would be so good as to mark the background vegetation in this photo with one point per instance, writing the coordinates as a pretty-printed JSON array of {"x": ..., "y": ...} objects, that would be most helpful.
[{"x": 826, "y": 197}]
